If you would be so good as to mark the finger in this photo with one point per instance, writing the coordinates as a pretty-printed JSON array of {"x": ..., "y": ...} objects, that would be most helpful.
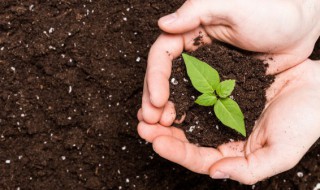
[
  {"x": 277, "y": 63},
  {"x": 156, "y": 87},
  {"x": 190, "y": 156},
  {"x": 150, "y": 113},
  {"x": 164, "y": 50},
  {"x": 168, "y": 114},
  {"x": 283, "y": 58},
  {"x": 150, "y": 132},
  {"x": 222, "y": 33},
  {"x": 195, "y": 38},
  {"x": 232, "y": 149},
  {"x": 257, "y": 166},
  {"x": 284, "y": 79},
  {"x": 181, "y": 119},
  {"x": 139, "y": 115},
  {"x": 194, "y": 13}
]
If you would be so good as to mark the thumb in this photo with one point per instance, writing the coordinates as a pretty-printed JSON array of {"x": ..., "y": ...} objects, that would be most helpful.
[
  {"x": 194, "y": 13},
  {"x": 257, "y": 166}
]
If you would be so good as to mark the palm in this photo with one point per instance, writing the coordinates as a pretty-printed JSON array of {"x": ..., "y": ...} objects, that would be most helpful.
[{"x": 278, "y": 141}]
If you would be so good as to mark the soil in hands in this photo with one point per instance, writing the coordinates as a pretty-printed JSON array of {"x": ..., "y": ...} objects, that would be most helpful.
[{"x": 200, "y": 125}]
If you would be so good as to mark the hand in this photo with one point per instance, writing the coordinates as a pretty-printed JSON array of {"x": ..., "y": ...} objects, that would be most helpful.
[
  {"x": 287, "y": 128},
  {"x": 284, "y": 32}
]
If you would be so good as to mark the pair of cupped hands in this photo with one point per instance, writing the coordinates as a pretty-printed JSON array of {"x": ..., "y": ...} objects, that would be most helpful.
[{"x": 284, "y": 34}]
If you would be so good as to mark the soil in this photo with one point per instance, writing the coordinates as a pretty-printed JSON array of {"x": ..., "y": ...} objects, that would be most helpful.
[
  {"x": 316, "y": 52},
  {"x": 201, "y": 126},
  {"x": 71, "y": 81}
]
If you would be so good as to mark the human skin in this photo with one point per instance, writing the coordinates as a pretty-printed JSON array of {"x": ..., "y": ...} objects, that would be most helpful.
[
  {"x": 287, "y": 128},
  {"x": 284, "y": 32}
]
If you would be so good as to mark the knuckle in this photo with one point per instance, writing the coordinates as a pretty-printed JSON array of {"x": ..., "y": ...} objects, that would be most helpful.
[{"x": 140, "y": 130}]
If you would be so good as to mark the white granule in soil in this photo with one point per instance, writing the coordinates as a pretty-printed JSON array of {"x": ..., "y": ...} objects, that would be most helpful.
[
  {"x": 317, "y": 187},
  {"x": 174, "y": 81},
  {"x": 300, "y": 174},
  {"x": 191, "y": 128}
]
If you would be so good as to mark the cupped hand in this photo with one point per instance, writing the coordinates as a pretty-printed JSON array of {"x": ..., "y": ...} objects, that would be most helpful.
[
  {"x": 284, "y": 32},
  {"x": 287, "y": 128}
]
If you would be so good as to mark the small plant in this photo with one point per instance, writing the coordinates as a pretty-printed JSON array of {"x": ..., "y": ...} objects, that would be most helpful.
[{"x": 206, "y": 80}]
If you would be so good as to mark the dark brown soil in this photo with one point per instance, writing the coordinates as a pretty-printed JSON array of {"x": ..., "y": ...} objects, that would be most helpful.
[
  {"x": 71, "y": 81},
  {"x": 201, "y": 126},
  {"x": 316, "y": 53}
]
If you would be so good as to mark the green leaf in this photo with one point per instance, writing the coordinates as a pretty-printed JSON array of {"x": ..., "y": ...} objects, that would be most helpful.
[
  {"x": 229, "y": 113},
  {"x": 206, "y": 100},
  {"x": 225, "y": 88},
  {"x": 203, "y": 77}
]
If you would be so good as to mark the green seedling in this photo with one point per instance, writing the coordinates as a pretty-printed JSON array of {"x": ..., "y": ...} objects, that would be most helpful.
[{"x": 206, "y": 80}]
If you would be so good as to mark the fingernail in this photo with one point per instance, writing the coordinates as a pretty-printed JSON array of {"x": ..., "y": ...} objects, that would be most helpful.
[
  {"x": 219, "y": 175},
  {"x": 169, "y": 18}
]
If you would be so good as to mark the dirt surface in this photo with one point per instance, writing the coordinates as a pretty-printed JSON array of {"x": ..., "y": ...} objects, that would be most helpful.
[
  {"x": 201, "y": 126},
  {"x": 71, "y": 80},
  {"x": 316, "y": 53}
]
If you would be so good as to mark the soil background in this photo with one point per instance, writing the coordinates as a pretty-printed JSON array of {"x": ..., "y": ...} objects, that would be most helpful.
[{"x": 71, "y": 80}]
